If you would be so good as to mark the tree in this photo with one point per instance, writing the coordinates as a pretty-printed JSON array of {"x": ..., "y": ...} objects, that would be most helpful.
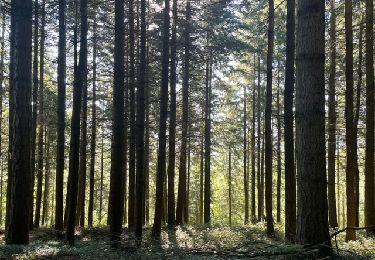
[
  {"x": 140, "y": 136},
  {"x": 117, "y": 153},
  {"x": 332, "y": 121},
  {"x": 61, "y": 85},
  {"x": 268, "y": 115},
  {"x": 246, "y": 176},
  {"x": 181, "y": 197},
  {"x": 351, "y": 133},
  {"x": 172, "y": 120},
  {"x": 290, "y": 178},
  {"x": 79, "y": 80},
  {"x": 369, "y": 153},
  {"x": 20, "y": 81},
  {"x": 312, "y": 225},
  {"x": 253, "y": 216},
  {"x": 278, "y": 147},
  {"x": 161, "y": 160}
]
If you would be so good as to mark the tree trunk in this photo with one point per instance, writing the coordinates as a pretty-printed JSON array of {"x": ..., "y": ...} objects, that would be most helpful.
[
  {"x": 20, "y": 85},
  {"x": 38, "y": 203},
  {"x": 117, "y": 154},
  {"x": 2, "y": 56},
  {"x": 369, "y": 154},
  {"x": 201, "y": 174},
  {"x": 259, "y": 173},
  {"x": 312, "y": 222},
  {"x": 268, "y": 119},
  {"x": 172, "y": 121},
  {"x": 140, "y": 132},
  {"x": 245, "y": 173},
  {"x": 93, "y": 128},
  {"x": 290, "y": 178},
  {"x": 61, "y": 85},
  {"x": 79, "y": 82},
  {"x": 230, "y": 187},
  {"x": 161, "y": 168},
  {"x": 46, "y": 182},
  {"x": 101, "y": 180},
  {"x": 278, "y": 206},
  {"x": 181, "y": 197},
  {"x": 351, "y": 142},
  {"x": 332, "y": 121},
  {"x": 253, "y": 182}
]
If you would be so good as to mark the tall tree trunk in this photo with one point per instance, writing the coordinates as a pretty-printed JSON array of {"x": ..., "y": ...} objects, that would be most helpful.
[
  {"x": 101, "y": 180},
  {"x": 117, "y": 154},
  {"x": 161, "y": 168},
  {"x": 181, "y": 197},
  {"x": 268, "y": 119},
  {"x": 339, "y": 212},
  {"x": 79, "y": 82},
  {"x": 187, "y": 197},
  {"x": 20, "y": 88},
  {"x": 332, "y": 121},
  {"x": 207, "y": 141},
  {"x": 2, "y": 56},
  {"x": 230, "y": 187},
  {"x": 351, "y": 139},
  {"x": 259, "y": 173},
  {"x": 172, "y": 121},
  {"x": 93, "y": 128},
  {"x": 140, "y": 131},
  {"x": 253, "y": 182},
  {"x": 46, "y": 182},
  {"x": 147, "y": 146},
  {"x": 245, "y": 173},
  {"x": 369, "y": 154},
  {"x": 132, "y": 144},
  {"x": 290, "y": 178},
  {"x": 201, "y": 173},
  {"x": 38, "y": 203},
  {"x": 312, "y": 222},
  {"x": 61, "y": 86},
  {"x": 34, "y": 106},
  {"x": 278, "y": 206}
]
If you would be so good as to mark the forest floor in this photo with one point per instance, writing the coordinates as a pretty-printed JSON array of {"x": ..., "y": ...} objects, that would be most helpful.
[{"x": 190, "y": 242}]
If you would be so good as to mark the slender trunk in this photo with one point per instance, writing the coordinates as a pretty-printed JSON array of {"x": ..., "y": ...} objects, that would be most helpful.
[
  {"x": 93, "y": 129},
  {"x": 339, "y": 212},
  {"x": 38, "y": 203},
  {"x": 20, "y": 88},
  {"x": 101, "y": 180},
  {"x": 312, "y": 222},
  {"x": 230, "y": 187},
  {"x": 369, "y": 154},
  {"x": 61, "y": 85},
  {"x": 161, "y": 168},
  {"x": 46, "y": 182},
  {"x": 201, "y": 174},
  {"x": 278, "y": 206},
  {"x": 332, "y": 121},
  {"x": 351, "y": 142},
  {"x": 172, "y": 121},
  {"x": 116, "y": 196},
  {"x": 259, "y": 173},
  {"x": 245, "y": 173},
  {"x": 187, "y": 198},
  {"x": 181, "y": 197},
  {"x": 2, "y": 55},
  {"x": 79, "y": 82},
  {"x": 290, "y": 177},
  {"x": 253, "y": 214}
]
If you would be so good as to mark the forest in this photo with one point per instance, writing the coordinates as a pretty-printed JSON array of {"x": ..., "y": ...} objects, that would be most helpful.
[{"x": 185, "y": 129}]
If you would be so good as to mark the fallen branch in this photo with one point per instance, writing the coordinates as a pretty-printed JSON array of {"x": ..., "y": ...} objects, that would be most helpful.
[{"x": 350, "y": 228}]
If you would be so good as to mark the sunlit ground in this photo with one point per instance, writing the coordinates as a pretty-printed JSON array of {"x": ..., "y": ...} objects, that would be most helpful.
[{"x": 191, "y": 242}]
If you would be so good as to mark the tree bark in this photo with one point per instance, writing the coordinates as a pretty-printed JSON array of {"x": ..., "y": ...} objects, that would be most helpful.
[
  {"x": 253, "y": 173},
  {"x": 278, "y": 204},
  {"x": 20, "y": 88},
  {"x": 46, "y": 182},
  {"x": 230, "y": 187},
  {"x": 312, "y": 222},
  {"x": 161, "y": 168},
  {"x": 290, "y": 178},
  {"x": 245, "y": 173},
  {"x": 369, "y": 153}
]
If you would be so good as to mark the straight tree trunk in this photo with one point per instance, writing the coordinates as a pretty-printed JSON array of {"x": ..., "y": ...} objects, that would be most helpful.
[
  {"x": 34, "y": 106},
  {"x": 187, "y": 198},
  {"x": 253, "y": 173},
  {"x": 161, "y": 161},
  {"x": 132, "y": 144},
  {"x": 140, "y": 127},
  {"x": 20, "y": 88},
  {"x": 290, "y": 177},
  {"x": 259, "y": 173},
  {"x": 278, "y": 206},
  {"x": 207, "y": 142},
  {"x": 245, "y": 173},
  {"x": 369, "y": 153},
  {"x": 181, "y": 196},
  {"x": 268, "y": 119},
  {"x": 2, "y": 56},
  {"x": 116, "y": 199},
  {"x": 101, "y": 180},
  {"x": 46, "y": 182},
  {"x": 172, "y": 121},
  {"x": 75, "y": 127},
  {"x": 332, "y": 121},
  {"x": 38, "y": 203},
  {"x": 61, "y": 86},
  {"x": 351, "y": 133},
  {"x": 93, "y": 128},
  {"x": 201, "y": 174},
  {"x": 230, "y": 187},
  {"x": 312, "y": 222}
]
